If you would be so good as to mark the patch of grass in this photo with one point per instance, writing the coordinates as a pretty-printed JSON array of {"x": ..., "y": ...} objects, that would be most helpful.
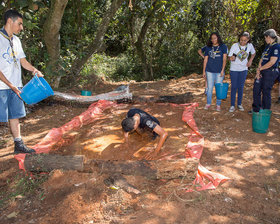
[
  {"x": 24, "y": 186},
  {"x": 3, "y": 143}
]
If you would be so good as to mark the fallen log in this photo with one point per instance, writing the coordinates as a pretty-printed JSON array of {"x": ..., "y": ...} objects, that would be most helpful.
[
  {"x": 178, "y": 99},
  {"x": 152, "y": 169},
  {"x": 48, "y": 162}
]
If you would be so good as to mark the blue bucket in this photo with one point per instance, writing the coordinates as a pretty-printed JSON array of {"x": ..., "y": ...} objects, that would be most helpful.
[
  {"x": 85, "y": 93},
  {"x": 221, "y": 90},
  {"x": 36, "y": 90}
]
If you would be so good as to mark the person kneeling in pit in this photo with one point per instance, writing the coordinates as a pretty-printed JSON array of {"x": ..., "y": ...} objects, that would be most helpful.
[{"x": 138, "y": 120}]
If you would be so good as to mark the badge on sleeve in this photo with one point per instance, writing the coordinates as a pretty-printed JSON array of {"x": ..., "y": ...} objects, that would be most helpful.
[
  {"x": 276, "y": 52},
  {"x": 149, "y": 123}
]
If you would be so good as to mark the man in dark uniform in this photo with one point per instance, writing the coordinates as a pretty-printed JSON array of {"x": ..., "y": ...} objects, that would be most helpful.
[{"x": 138, "y": 120}]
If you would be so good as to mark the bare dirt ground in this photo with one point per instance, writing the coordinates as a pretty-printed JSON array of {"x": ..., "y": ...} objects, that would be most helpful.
[{"x": 231, "y": 148}]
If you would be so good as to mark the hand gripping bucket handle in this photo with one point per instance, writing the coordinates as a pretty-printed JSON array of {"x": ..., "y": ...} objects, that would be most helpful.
[{"x": 36, "y": 90}]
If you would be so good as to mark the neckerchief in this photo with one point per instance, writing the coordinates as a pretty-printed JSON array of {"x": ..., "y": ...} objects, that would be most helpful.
[
  {"x": 213, "y": 52},
  {"x": 5, "y": 34},
  {"x": 242, "y": 54}
]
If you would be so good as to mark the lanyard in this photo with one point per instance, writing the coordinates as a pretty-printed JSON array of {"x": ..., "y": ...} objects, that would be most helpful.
[
  {"x": 241, "y": 49},
  {"x": 242, "y": 54},
  {"x": 213, "y": 52},
  {"x": 267, "y": 50},
  {"x": 3, "y": 32}
]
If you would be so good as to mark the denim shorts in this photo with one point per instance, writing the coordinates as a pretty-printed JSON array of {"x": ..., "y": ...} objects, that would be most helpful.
[{"x": 11, "y": 106}]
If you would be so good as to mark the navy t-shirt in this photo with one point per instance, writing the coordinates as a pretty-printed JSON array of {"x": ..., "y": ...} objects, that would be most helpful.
[
  {"x": 203, "y": 49},
  {"x": 146, "y": 120},
  {"x": 215, "y": 58},
  {"x": 271, "y": 51}
]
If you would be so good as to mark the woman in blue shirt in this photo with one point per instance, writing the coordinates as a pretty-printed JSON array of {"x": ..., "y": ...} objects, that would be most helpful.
[
  {"x": 215, "y": 58},
  {"x": 267, "y": 72}
]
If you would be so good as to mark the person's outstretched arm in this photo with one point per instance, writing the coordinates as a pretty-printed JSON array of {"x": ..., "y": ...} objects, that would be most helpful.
[
  {"x": 163, "y": 135},
  {"x": 25, "y": 64}
]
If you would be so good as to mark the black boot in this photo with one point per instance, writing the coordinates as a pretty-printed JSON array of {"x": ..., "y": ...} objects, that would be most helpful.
[{"x": 20, "y": 147}]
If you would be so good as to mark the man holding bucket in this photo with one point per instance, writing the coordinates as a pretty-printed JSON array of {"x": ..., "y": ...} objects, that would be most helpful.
[{"x": 12, "y": 57}]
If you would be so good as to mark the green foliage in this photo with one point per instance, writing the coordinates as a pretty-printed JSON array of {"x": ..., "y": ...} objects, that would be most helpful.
[
  {"x": 24, "y": 186},
  {"x": 177, "y": 30},
  {"x": 112, "y": 68}
]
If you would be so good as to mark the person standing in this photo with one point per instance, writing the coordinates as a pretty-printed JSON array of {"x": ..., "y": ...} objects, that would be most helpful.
[
  {"x": 238, "y": 55},
  {"x": 214, "y": 64},
  {"x": 12, "y": 57},
  {"x": 267, "y": 72}
]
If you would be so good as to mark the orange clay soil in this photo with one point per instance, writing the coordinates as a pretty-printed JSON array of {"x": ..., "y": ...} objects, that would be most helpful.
[{"x": 251, "y": 160}]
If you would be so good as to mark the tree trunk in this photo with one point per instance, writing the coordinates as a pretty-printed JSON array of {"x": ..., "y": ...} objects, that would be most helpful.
[
  {"x": 152, "y": 169},
  {"x": 139, "y": 44},
  {"x": 141, "y": 53},
  {"x": 96, "y": 44},
  {"x": 51, "y": 36}
]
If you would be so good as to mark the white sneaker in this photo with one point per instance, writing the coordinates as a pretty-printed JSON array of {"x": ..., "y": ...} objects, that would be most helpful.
[
  {"x": 240, "y": 108},
  {"x": 231, "y": 109},
  {"x": 207, "y": 106}
]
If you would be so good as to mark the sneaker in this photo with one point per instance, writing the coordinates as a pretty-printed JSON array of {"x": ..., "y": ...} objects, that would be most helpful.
[
  {"x": 20, "y": 147},
  {"x": 207, "y": 106},
  {"x": 240, "y": 108},
  {"x": 218, "y": 108},
  {"x": 231, "y": 109}
]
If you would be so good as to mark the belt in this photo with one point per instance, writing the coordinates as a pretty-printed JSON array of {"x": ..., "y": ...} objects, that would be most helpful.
[{"x": 272, "y": 69}]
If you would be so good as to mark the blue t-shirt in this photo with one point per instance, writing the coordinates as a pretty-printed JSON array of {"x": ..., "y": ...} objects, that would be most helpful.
[
  {"x": 271, "y": 51},
  {"x": 146, "y": 120},
  {"x": 215, "y": 58},
  {"x": 203, "y": 49}
]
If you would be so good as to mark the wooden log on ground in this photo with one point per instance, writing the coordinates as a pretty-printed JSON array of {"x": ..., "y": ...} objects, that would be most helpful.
[
  {"x": 178, "y": 99},
  {"x": 152, "y": 169},
  {"x": 48, "y": 162}
]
